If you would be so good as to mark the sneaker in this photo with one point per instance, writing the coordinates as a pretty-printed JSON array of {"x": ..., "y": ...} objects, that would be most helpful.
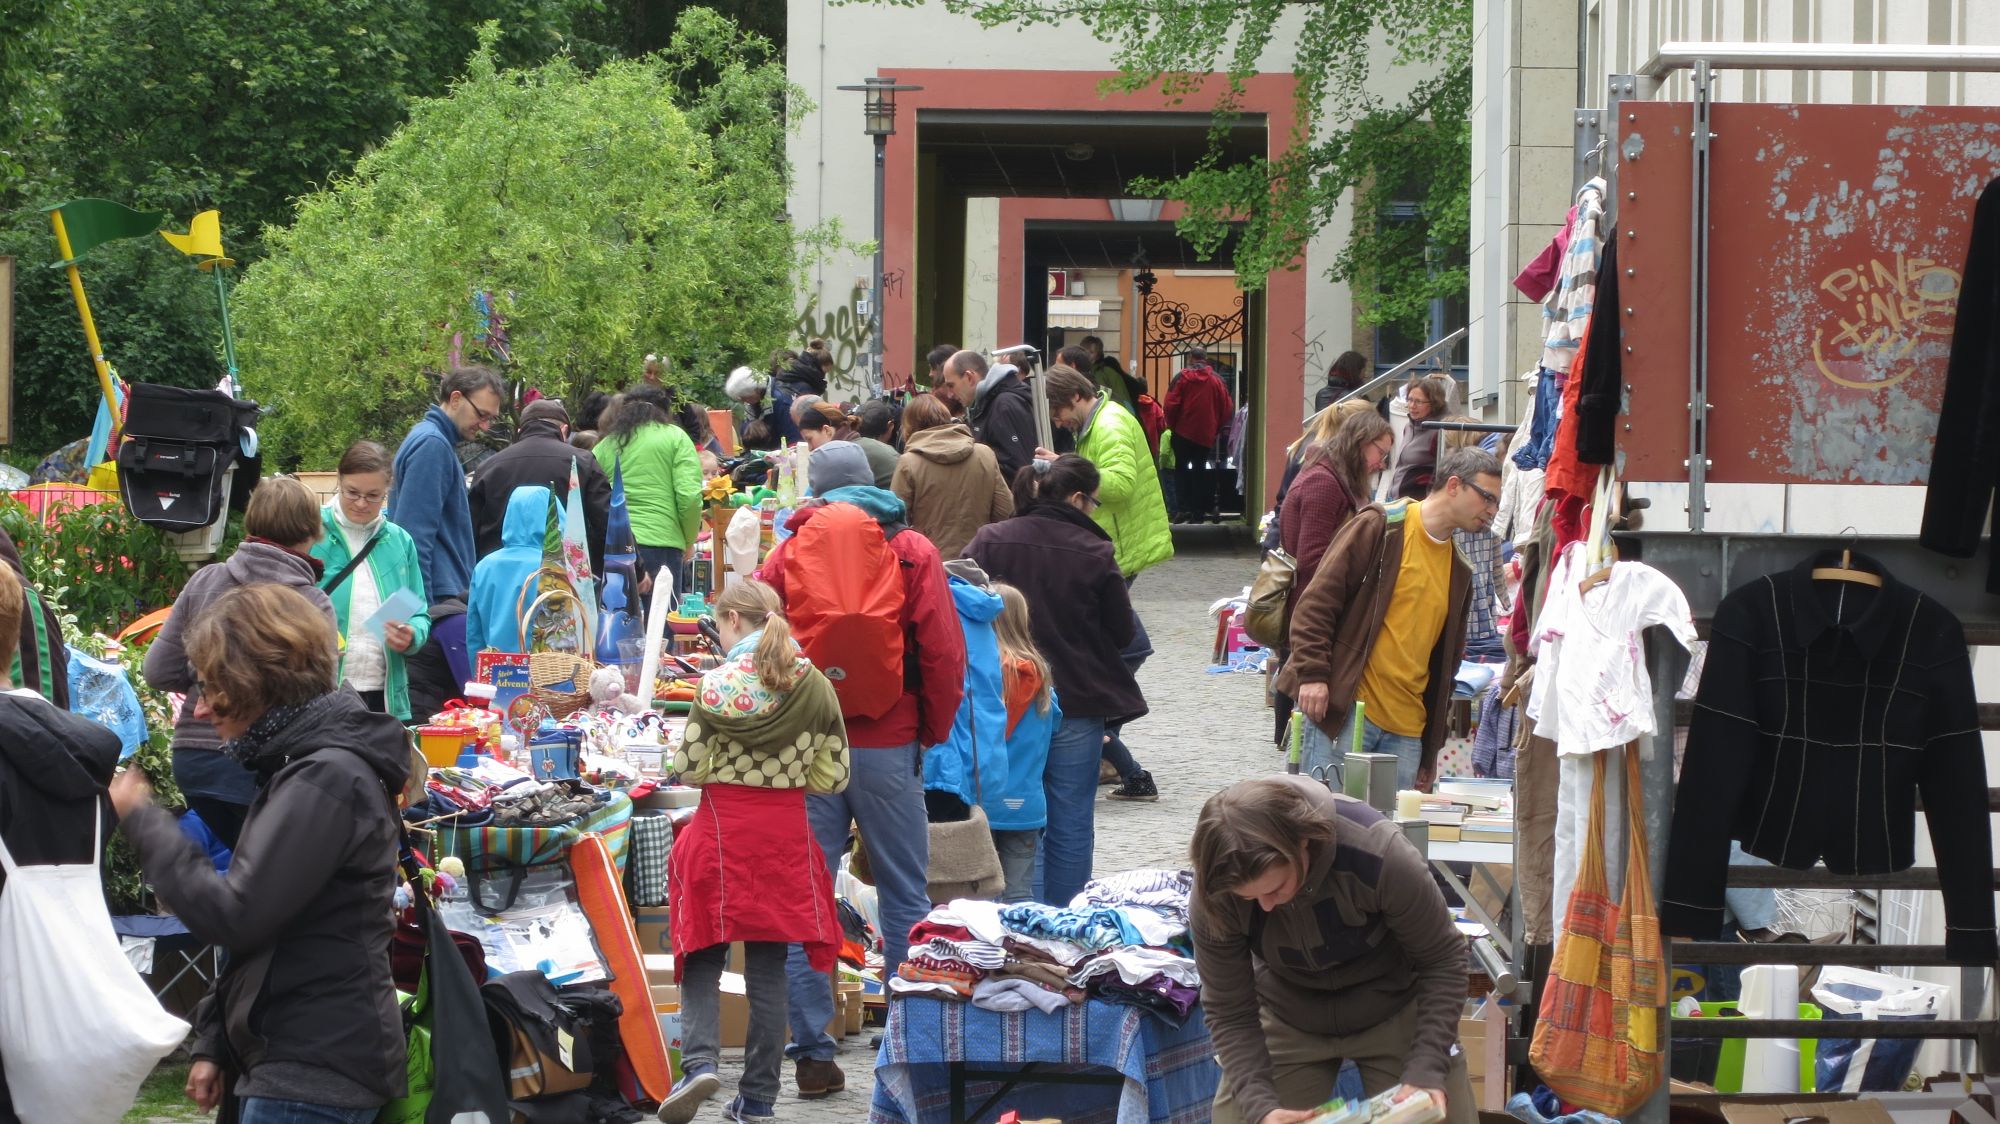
[
  {"x": 1138, "y": 787},
  {"x": 1106, "y": 774},
  {"x": 687, "y": 1096},
  {"x": 818, "y": 1078},
  {"x": 749, "y": 1108}
]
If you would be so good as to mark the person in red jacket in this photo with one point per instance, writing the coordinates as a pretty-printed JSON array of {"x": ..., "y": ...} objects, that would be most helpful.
[
  {"x": 884, "y": 796},
  {"x": 1198, "y": 406}
]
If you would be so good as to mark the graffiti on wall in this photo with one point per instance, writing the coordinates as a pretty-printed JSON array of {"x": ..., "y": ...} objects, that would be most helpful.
[
  {"x": 1879, "y": 313},
  {"x": 846, "y": 334}
]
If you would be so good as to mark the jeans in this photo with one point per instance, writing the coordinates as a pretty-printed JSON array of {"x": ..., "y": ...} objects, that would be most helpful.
[
  {"x": 1193, "y": 486},
  {"x": 885, "y": 799},
  {"x": 1318, "y": 750},
  {"x": 1017, "y": 862},
  {"x": 266, "y": 1110},
  {"x": 1752, "y": 908},
  {"x": 653, "y": 559},
  {"x": 701, "y": 1014},
  {"x": 1069, "y": 781}
]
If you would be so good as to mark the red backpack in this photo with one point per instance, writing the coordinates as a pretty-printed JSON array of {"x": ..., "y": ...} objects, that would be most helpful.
[{"x": 844, "y": 600}]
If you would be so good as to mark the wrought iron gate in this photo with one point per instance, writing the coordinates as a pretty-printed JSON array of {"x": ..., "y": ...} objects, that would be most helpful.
[{"x": 1170, "y": 327}]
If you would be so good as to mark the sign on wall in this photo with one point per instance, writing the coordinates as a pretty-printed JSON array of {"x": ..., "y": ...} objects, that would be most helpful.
[{"x": 1837, "y": 234}]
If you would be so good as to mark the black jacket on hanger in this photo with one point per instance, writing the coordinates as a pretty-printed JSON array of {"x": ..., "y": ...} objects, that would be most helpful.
[
  {"x": 1602, "y": 395},
  {"x": 1825, "y": 707},
  {"x": 1965, "y": 462}
]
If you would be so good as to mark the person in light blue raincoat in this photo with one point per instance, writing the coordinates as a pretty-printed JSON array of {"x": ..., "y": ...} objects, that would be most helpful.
[{"x": 493, "y": 617}]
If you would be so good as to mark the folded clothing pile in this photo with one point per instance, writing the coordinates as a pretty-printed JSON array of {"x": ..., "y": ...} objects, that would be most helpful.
[{"x": 1123, "y": 939}]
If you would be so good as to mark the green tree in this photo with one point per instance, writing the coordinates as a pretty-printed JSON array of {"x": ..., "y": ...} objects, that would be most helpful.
[
  {"x": 1348, "y": 139},
  {"x": 606, "y": 214}
]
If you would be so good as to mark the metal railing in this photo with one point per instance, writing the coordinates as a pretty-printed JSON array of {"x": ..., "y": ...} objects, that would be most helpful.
[{"x": 1397, "y": 371}]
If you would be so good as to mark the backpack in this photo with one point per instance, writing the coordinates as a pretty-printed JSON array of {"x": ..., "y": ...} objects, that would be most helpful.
[
  {"x": 846, "y": 608},
  {"x": 545, "y": 1037}
]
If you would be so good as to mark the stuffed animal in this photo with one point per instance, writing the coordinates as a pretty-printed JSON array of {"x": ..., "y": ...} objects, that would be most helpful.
[{"x": 607, "y": 691}]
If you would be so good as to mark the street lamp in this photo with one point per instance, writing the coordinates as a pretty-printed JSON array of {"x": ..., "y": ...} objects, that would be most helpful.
[{"x": 878, "y": 120}]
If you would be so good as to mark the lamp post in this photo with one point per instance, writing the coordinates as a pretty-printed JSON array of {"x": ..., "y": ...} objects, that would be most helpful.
[{"x": 878, "y": 117}]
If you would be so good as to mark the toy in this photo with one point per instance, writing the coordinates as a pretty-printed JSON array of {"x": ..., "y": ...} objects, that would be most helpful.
[{"x": 607, "y": 691}]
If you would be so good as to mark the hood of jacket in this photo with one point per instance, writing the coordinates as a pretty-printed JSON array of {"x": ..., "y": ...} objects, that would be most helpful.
[
  {"x": 944, "y": 444},
  {"x": 974, "y": 602},
  {"x": 1000, "y": 382},
  {"x": 881, "y": 504},
  {"x": 804, "y": 376},
  {"x": 337, "y": 720},
  {"x": 263, "y": 562},
  {"x": 527, "y": 517},
  {"x": 51, "y": 750}
]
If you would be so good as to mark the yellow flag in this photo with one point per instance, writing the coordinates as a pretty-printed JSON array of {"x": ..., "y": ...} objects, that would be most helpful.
[{"x": 203, "y": 239}]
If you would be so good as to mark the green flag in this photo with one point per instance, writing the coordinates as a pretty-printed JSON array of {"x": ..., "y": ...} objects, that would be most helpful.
[{"x": 92, "y": 222}]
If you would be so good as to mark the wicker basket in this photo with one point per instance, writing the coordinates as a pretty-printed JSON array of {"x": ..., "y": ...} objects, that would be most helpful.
[{"x": 548, "y": 669}]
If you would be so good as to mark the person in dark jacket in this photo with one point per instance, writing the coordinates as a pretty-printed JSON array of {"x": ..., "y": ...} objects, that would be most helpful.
[
  {"x": 303, "y": 1022},
  {"x": 541, "y": 454},
  {"x": 999, "y": 406},
  {"x": 805, "y": 375},
  {"x": 438, "y": 670},
  {"x": 1342, "y": 377},
  {"x": 41, "y": 662},
  {"x": 283, "y": 522},
  {"x": 1081, "y": 616},
  {"x": 875, "y": 427},
  {"x": 54, "y": 767}
]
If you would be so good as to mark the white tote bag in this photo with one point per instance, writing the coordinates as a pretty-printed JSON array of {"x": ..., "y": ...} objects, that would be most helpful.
[{"x": 79, "y": 1031}]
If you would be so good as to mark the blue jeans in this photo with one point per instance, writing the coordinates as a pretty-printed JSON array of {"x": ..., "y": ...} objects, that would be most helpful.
[
  {"x": 653, "y": 559},
  {"x": 1017, "y": 851},
  {"x": 885, "y": 798},
  {"x": 265, "y": 1110},
  {"x": 1319, "y": 750},
  {"x": 1069, "y": 781}
]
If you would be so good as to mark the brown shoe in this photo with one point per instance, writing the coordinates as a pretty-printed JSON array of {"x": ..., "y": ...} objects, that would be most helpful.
[
  {"x": 1106, "y": 774},
  {"x": 818, "y": 1079}
]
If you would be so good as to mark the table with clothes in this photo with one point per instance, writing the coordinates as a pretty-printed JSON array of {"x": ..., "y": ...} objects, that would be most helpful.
[{"x": 1089, "y": 1012}]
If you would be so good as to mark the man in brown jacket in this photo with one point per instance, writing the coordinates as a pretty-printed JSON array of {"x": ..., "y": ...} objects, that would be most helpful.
[{"x": 1383, "y": 623}]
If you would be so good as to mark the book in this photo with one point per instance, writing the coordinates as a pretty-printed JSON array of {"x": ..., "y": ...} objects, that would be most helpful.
[
  {"x": 1478, "y": 794},
  {"x": 1444, "y": 813},
  {"x": 1487, "y": 833},
  {"x": 1445, "y": 833}
]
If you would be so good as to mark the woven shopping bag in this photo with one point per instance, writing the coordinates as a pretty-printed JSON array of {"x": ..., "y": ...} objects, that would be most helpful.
[{"x": 1600, "y": 1040}]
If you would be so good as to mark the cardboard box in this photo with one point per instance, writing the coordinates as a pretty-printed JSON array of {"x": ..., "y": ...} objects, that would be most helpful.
[
  {"x": 1482, "y": 1037},
  {"x": 1831, "y": 1111},
  {"x": 651, "y": 924}
]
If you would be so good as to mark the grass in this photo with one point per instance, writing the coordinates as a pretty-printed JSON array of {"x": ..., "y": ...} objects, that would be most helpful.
[{"x": 161, "y": 1098}]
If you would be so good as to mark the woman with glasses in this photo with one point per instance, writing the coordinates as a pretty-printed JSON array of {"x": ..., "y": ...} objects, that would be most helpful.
[
  {"x": 1080, "y": 615},
  {"x": 280, "y": 527},
  {"x": 368, "y": 561},
  {"x": 1429, "y": 398},
  {"x": 303, "y": 1023}
]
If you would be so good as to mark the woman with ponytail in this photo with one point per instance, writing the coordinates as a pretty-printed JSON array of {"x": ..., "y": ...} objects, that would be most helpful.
[{"x": 764, "y": 731}]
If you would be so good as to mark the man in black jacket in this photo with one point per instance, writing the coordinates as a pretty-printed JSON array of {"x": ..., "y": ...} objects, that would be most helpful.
[
  {"x": 999, "y": 406},
  {"x": 54, "y": 767},
  {"x": 541, "y": 455}
]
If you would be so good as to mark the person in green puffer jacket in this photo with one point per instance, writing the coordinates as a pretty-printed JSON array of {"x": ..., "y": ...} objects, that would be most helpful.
[
  {"x": 1130, "y": 507},
  {"x": 373, "y": 665}
]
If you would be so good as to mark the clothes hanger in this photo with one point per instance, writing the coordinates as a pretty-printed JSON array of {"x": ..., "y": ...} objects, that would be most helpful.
[
  {"x": 1846, "y": 571},
  {"x": 1602, "y": 550}
]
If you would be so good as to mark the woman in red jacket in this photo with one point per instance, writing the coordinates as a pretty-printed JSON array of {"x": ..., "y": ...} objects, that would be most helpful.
[{"x": 1334, "y": 482}]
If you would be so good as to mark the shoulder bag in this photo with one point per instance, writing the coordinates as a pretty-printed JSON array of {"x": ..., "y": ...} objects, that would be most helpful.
[{"x": 1265, "y": 619}]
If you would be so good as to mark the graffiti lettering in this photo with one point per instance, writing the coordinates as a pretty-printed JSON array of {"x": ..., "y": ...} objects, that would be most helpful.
[
  {"x": 845, "y": 334},
  {"x": 1886, "y": 307}
]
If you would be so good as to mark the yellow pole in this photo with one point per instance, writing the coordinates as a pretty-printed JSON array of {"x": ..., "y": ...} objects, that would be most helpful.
[{"x": 83, "y": 310}]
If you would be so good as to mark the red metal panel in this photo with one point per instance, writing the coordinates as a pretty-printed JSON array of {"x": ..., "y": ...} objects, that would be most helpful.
[{"x": 1837, "y": 235}]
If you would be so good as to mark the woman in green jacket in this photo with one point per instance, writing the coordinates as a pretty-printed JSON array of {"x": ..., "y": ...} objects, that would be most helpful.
[
  {"x": 662, "y": 474},
  {"x": 371, "y": 662}
]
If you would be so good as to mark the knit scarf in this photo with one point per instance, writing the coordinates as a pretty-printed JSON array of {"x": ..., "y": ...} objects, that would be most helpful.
[{"x": 252, "y": 749}]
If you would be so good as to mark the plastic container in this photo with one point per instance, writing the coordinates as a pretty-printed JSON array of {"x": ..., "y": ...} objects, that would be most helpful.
[
  {"x": 1722, "y": 1059},
  {"x": 441, "y": 745}
]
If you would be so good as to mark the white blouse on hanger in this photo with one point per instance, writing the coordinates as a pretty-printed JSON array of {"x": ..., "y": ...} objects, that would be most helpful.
[{"x": 1591, "y": 688}]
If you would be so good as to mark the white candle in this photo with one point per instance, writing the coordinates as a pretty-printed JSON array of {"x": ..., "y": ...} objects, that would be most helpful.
[{"x": 1409, "y": 805}]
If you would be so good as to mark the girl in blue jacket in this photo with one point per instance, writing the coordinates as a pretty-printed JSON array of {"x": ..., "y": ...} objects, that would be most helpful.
[{"x": 1019, "y": 809}]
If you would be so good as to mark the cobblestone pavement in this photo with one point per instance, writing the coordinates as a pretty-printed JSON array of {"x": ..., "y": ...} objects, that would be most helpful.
[{"x": 1205, "y": 733}]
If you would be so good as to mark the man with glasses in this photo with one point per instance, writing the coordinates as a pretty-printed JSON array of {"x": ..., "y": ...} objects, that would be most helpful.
[
  {"x": 1383, "y": 624},
  {"x": 428, "y": 496}
]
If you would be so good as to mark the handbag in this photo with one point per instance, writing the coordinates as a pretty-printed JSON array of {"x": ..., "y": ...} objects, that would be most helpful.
[
  {"x": 1265, "y": 618},
  {"x": 1600, "y": 1041},
  {"x": 466, "y": 1083},
  {"x": 963, "y": 861},
  {"x": 79, "y": 1032}
]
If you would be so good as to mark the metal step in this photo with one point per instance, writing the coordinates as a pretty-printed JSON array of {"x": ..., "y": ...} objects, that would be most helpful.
[
  {"x": 1814, "y": 1028},
  {"x": 1735, "y": 952}
]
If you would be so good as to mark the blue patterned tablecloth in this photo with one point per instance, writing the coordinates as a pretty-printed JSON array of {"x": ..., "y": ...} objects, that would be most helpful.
[{"x": 1170, "y": 1075}]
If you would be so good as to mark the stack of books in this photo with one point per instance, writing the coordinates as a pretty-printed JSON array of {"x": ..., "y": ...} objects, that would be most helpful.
[
  {"x": 1384, "y": 1108},
  {"x": 1471, "y": 810}
]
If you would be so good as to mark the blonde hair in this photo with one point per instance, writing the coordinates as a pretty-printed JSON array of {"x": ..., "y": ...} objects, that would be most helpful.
[
  {"x": 758, "y": 604},
  {"x": 1460, "y": 438},
  {"x": 1017, "y": 642}
]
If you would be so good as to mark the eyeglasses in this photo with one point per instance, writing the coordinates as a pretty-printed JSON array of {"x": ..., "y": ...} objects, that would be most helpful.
[
  {"x": 1093, "y": 501},
  {"x": 369, "y": 498},
  {"x": 485, "y": 416},
  {"x": 1492, "y": 500}
]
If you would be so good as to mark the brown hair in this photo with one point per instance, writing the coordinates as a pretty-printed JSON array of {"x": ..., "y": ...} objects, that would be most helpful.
[
  {"x": 759, "y": 605},
  {"x": 1460, "y": 438},
  {"x": 13, "y": 602},
  {"x": 259, "y": 646},
  {"x": 1250, "y": 827},
  {"x": 924, "y": 411},
  {"x": 1439, "y": 391},
  {"x": 1346, "y": 452},
  {"x": 1067, "y": 384},
  {"x": 364, "y": 457},
  {"x": 284, "y": 511},
  {"x": 1327, "y": 422},
  {"x": 823, "y": 415}
]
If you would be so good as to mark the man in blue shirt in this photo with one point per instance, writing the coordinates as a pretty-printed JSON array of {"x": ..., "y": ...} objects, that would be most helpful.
[{"x": 427, "y": 498}]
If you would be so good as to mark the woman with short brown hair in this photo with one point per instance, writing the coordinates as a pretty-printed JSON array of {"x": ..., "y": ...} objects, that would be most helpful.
[
  {"x": 1321, "y": 938},
  {"x": 281, "y": 526},
  {"x": 303, "y": 1021}
]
